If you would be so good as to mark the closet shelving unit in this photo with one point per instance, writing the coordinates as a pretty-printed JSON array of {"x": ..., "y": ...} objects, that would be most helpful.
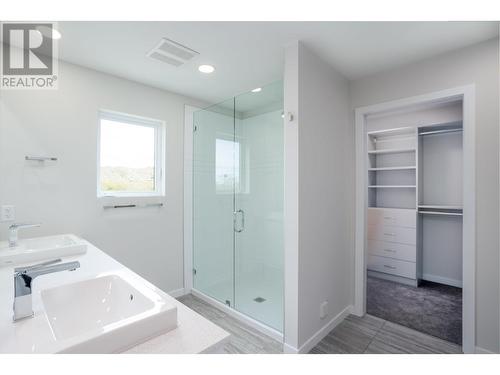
[
  {"x": 413, "y": 183},
  {"x": 392, "y": 156}
]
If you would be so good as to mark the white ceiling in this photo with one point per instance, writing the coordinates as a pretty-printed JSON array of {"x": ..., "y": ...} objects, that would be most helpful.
[{"x": 250, "y": 54}]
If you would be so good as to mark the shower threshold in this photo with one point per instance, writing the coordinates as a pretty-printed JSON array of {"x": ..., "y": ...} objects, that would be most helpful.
[{"x": 259, "y": 326}]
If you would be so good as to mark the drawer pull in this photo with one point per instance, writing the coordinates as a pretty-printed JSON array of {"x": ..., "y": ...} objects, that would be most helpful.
[
  {"x": 390, "y": 250},
  {"x": 390, "y": 267},
  {"x": 388, "y": 234}
]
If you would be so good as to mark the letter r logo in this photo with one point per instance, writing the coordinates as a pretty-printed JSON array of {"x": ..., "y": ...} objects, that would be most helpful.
[{"x": 26, "y": 50}]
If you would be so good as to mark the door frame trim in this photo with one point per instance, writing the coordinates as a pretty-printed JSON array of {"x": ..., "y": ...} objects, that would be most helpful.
[{"x": 467, "y": 95}]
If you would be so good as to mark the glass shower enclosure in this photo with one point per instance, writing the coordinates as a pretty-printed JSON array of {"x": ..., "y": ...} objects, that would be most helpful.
[{"x": 238, "y": 203}]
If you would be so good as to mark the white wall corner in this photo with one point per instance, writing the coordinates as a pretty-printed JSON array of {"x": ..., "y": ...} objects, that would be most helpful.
[
  {"x": 499, "y": 200},
  {"x": 291, "y": 197}
]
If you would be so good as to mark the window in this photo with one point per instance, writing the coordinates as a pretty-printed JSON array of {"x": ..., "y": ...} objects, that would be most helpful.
[
  {"x": 231, "y": 165},
  {"x": 130, "y": 156},
  {"x": 227, "y": 173}
]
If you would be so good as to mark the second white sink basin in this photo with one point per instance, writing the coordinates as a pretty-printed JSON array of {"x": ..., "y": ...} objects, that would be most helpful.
[
  {"x": 41, "y": 248},
  {"x": 106, "y": 314}
]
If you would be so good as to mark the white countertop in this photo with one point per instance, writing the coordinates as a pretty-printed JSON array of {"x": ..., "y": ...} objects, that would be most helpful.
[{"x": 194, "y": 333}]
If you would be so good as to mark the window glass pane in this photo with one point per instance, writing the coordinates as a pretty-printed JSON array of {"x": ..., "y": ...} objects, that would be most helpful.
[
  {"x": 227, "y": 175},
  {"x": 127, "y": 157}
]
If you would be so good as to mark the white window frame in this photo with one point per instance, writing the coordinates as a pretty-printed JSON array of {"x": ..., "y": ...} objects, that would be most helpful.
[{"x": 159, "y": 129}]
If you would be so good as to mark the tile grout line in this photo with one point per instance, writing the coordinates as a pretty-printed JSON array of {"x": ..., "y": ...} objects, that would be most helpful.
[
  {"x": 420, "y": 345},
  {"x": 375, "y": 335}
]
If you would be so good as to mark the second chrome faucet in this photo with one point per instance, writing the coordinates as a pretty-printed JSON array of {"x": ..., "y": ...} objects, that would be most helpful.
[{"x": 14, "y": 229}]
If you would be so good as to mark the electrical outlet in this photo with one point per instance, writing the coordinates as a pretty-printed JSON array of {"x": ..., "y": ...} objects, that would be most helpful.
[
  {"x": 323, "y": 310},
  {"x": 7, "y": 213}
]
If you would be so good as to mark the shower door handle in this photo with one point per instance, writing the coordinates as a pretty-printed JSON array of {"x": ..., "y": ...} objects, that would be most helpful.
[{"x": 235, "y": 215}]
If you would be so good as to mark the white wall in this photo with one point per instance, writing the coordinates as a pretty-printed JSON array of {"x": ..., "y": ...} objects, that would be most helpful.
[
  {"x": 477, "y": 64},
  {"x": 62, "y": 195},
  {"x": 324, "y": 193}
]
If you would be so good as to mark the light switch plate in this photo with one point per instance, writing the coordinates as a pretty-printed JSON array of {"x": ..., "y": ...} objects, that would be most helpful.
[
  {"x": 323, "y": 310},
  {"x": 7, "y": 213}
]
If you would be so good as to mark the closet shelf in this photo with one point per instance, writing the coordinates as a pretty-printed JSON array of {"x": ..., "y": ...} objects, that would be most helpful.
[
  {"x": 409, "y": 167},
  {"x": 392, "y": 186},
  {"x": 391, "y": 151}
]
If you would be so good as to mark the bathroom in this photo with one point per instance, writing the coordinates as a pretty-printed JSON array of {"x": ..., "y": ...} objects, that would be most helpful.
[{"x": 184, "y": 187}]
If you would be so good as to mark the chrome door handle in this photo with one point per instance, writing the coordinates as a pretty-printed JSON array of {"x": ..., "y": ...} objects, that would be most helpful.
[{"x": 235, "y": 214}]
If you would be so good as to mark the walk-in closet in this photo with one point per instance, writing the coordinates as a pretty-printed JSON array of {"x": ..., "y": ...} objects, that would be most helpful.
[{"x": 414, "y": 218}]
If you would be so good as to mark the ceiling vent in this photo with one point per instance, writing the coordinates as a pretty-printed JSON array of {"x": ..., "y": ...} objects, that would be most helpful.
[{"x": 171, "y": 52}]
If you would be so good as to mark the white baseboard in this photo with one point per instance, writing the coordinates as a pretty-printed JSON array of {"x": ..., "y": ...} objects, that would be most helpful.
[
  {"x": 319, "y": 335},
  {"x": 482, "y": 351},
  {"x": 442, "y": 280},
  {"x": 271, "y": 332},
  {"x": 288, "y": 349},
  {"x": 177, "y": 293}
]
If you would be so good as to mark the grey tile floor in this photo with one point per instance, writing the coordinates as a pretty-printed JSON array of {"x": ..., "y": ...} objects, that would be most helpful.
[
  {"x": 369, "y": 334},
  {"x": 372, "y": 335},
  {"x": 244, "y": 339}
]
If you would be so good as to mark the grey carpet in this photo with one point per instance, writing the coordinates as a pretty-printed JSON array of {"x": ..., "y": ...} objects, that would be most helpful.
[{"x": 431, "y": 308}]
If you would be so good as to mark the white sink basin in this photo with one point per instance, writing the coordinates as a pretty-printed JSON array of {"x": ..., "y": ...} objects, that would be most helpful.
[
  {"x": 106, "y": 314},
  {"x": 41, "y": 248}
]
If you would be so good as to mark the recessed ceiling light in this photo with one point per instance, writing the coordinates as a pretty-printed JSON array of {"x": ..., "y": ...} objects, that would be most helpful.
[
  {"x": 46, "y": 31},
  {"x": 258, "y": 89},
  {"x": 206, "y": 69}
]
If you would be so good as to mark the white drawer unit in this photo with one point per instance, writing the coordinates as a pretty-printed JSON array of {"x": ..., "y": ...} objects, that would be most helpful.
[
  {"x": 392, "y": 234},
  {"x": 393, "y": 250},
  {"x": 392, "y": 266},
  {"x": 393, "y": 217}
]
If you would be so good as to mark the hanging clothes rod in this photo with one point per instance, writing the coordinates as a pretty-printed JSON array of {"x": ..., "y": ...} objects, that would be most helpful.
[
  {"x": 441, "y": 131},
  {"x": 441, "y": 213}
]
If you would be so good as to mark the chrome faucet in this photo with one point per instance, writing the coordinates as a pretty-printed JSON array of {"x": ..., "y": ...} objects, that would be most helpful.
[
  {"x": 13, "y": 231},
  {"x": 23, "y": 279}
]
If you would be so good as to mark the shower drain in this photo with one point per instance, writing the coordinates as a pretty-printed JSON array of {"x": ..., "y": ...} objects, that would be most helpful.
[{"x": 259, "y": 299}]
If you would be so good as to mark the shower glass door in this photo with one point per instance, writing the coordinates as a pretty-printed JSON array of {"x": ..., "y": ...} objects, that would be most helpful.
[
  {"x": 259, "y": 205},
  {"x": 238, "y": 204},
  {"x": 213, "y": 201}
]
